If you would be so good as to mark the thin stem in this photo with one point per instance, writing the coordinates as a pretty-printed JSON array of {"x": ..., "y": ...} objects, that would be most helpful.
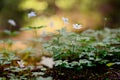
[
  {"x": 35, "y": 33},
  {"x": 35, "y": 37},
  {"x": 105, "y": 20}
]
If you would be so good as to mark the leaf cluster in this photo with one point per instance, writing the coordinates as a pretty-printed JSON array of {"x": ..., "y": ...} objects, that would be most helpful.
[{"x": 86, "y": 49}]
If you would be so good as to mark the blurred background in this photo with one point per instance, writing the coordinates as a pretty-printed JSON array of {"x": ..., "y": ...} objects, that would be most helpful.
[
  {"x": 94, "y": 14},
  {"x": 91, "y": 14}
]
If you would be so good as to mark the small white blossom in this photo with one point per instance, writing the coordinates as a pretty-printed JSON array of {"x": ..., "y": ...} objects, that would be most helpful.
[
  {"x": 51, "y": 24},
  {"x": 65, "y": 20},
  {"x": 73, "y": 42},
  {"x": 43, "y": 34},
  {"x": 105, "y": 19},
  {"x": 31, "y": 14},
  {"x": 21, "y": 63},
  {"x": 12, "y": 22},
  {"x": 47, "y": 62},
  {"x": 77, "y": 26}
]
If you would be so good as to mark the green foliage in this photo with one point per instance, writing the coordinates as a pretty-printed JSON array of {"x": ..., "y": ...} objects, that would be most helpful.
[
  {"x": 8, "y": 33},
  {"x": 11, "y": 70},
  {"x": 70, "y": 50},
  {"x": 86, "y": 49},
  {"x": 11, "y": 66}
]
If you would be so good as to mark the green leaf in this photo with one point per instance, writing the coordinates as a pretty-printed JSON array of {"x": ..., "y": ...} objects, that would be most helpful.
[
  {"x": 31, "y": 28},
  {"x": 110, "y": 64},
  {"x": 37, "y": 27}
]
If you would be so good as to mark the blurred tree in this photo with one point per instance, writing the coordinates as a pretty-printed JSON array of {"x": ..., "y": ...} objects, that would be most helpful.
[
  {"x": 52, "y": 7},
  {"x": 1, "y": 4},
  {"x": 15, "y": 9},
  {"x": 108, "y": 10},
  {"x": 115, "y": 13},
  {"x": 9, "y": 9},
  {"x": 111, "y": 10}
]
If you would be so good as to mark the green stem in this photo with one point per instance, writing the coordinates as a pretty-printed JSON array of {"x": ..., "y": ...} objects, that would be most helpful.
[
  {"x": 73, "y": 48},
  {"x": 35, "y": 37},
  {"x": 35, "y": 33}
]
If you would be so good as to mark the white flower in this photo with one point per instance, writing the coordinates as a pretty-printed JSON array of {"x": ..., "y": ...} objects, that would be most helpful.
[
  {"x": 65, "y": 20},
  {"x": 51, "y": 24},
  {"x": 43, "y": 34},
  {"x": 47, "y": 62},
  {"x": 21, "y": 63},
  {"x": 105, "y": 19},
  {"x": 12, "y": 22},
  {"x": 73, "y": 42},
  {"x": 77, "y": 26},
  {"x": 31, "y": 14}
]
